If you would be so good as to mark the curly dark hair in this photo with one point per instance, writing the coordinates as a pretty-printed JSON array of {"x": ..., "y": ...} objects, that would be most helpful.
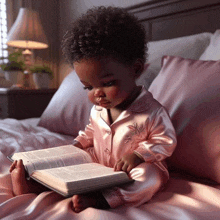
[{"x": 105, "y": 32}]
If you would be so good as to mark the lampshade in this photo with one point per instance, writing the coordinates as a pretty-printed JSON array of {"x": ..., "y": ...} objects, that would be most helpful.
[{"x": 27, "y": 31}]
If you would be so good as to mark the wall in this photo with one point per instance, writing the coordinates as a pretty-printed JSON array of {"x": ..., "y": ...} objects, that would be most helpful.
[{"x": 71, "y": 9}]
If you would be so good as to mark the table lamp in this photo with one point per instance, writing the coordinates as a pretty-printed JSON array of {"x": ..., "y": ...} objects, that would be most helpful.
[{"x": 27, "y": 32}]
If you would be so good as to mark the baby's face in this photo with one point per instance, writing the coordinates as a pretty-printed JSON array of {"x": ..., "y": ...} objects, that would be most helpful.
[{"x": 108, "y": 82}]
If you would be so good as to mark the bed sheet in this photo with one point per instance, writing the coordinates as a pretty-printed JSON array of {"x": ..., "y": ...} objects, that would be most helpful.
[
  {"x": 30, "y": 121},
  {"x": 24, "y": 135},
  {"x": 180, "y": 199}
]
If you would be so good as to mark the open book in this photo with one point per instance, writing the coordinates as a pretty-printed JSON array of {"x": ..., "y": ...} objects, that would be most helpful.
[{"x": 69, "y": 170}]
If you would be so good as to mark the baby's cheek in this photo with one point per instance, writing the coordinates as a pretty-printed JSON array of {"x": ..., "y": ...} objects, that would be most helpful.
[
  {"x": 91, "y": 97},
  {"x": 113, "y": 93}
]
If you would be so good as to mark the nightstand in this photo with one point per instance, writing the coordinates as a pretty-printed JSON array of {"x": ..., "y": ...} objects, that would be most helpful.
[{"x": 24, "y": 103}]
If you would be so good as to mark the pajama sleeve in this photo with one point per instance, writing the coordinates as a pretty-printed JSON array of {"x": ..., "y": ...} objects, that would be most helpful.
[
  {"x": 152, "y": 175},
  {"x": 161, "y": 140},
  {"x": 85, "y": 138}
]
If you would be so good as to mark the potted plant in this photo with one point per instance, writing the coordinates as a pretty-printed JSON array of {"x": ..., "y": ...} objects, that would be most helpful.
[
  {"x": 42, "y": 75},
  {"x": 14, "y": 66}
]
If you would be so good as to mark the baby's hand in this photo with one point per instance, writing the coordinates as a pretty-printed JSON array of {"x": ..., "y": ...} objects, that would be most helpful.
[{"x": 128, "y": 162}]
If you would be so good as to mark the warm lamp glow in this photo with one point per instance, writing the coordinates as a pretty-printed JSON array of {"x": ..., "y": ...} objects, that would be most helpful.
[{"x": 27, "y": 31}]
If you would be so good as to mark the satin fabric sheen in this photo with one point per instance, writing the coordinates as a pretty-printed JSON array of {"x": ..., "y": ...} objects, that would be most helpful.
[
  {"x": 181, "y": 199},
  {"x": 144, "y": 128}
]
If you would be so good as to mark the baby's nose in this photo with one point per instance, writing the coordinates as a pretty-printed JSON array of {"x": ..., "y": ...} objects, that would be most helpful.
[{"x": 98, "y": 92}]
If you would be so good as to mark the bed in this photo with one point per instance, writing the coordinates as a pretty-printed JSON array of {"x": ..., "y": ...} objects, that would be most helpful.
[{"x": 184, "y": 75}]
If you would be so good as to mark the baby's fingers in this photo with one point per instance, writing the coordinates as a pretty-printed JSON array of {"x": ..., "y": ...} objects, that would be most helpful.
[
  {"x": 130, "y": 167},
  {"x": 118, "y": 166},
  {"x": 125, "y": 168}
]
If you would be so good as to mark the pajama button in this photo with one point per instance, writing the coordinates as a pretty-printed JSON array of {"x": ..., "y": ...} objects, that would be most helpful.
[
  {"x": 158, "y": 157},
  {"x": 107, "y": 151},
  {"x": 108, "y": 132}
]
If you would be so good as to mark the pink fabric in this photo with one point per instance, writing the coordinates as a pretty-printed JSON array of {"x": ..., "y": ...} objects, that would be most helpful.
[
  {"x": 19, "y": 136},
  {"x": 190, "y": 90},
  {"x": 145, "y": 128},
  {"x": 149, "y": 178},
  {"x": 180, "y": 200}
]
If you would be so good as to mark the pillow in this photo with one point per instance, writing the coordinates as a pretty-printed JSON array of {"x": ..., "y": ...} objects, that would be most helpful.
[
  {"x": 188, "y": 47},
  {"x": 147, "y": 76},
  {"x": 69, "y": 109},
  {"x": 212, "y": 52},
  {"x": 190, "y": 90}
]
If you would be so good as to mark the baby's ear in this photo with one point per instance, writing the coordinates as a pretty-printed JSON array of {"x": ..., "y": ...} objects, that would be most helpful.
[{"x": 139, "y": 67}]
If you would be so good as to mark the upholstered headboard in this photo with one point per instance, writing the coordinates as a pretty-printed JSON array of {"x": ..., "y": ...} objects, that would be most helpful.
[{"x": 165, "y": 19}]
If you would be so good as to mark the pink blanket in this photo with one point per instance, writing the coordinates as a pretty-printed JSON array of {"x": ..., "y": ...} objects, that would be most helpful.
[{"x": 181, "y": 198}]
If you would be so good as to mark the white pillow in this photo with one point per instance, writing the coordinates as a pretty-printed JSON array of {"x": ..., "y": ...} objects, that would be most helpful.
[
  {"x": 212, "y": 52},
  {"x": 190, "y": 47},
  {"x": 69, "y": 109},
  {"x": 147, "y": 77}
]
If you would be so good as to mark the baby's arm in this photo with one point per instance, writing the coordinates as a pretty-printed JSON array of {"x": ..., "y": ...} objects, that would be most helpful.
[
  {"x": 128, "y": 162},
  {"x": 161, "y": 140},
  {"x": 160, "y": 144},
  {"x": 77, "y": 144}
]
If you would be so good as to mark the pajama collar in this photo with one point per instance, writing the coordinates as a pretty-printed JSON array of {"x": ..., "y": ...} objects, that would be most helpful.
[{"x": 141, "y": 104}]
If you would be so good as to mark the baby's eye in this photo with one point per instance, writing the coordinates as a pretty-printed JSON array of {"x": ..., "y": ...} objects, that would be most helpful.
[
  {"x": 110, "y": 83},
  {"x": 88, "y": 87}
]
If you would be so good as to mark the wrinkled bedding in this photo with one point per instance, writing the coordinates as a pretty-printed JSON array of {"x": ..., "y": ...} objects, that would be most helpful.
[
  {"x": 180, "y": 199},
  {"x": 24, "y": 135}
]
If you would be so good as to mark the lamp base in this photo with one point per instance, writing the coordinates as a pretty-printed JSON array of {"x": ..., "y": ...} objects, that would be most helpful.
[{"x": 26, "y": 80}]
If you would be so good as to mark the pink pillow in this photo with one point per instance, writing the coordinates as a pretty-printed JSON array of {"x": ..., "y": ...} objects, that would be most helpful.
[
  {"x": 69, "y": 110},
  {"x": 190, "y": 90}
]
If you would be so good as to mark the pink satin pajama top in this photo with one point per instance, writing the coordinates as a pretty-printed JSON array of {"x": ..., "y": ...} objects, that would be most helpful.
[{"x": 144, "y": 127}]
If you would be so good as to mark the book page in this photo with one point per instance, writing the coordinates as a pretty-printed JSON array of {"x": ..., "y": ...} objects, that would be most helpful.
[
  {"x": 80, "y": 172},
  {"x": 81, "y": 178},
  {"x": 52, "y": 157}
]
